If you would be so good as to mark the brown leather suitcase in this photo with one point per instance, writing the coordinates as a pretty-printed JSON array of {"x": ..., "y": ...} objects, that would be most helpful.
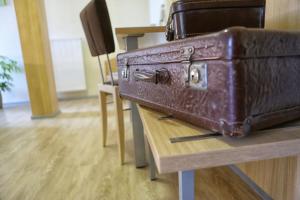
[
  {"x": 190, "y": 18},
  {"x": 232, "y": 82}
]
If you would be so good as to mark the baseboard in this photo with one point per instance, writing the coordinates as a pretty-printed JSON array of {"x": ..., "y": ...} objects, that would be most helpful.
[
  {"x": 36, "y": 117},
  {"x": 77, "y": 98},
  {"x": 21, "y": 103}
]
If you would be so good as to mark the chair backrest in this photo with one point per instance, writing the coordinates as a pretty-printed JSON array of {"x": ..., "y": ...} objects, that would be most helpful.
[{"x": 97, "y": 27}]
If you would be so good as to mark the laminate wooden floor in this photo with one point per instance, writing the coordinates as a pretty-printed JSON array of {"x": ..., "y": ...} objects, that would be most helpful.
[{"x": 62, "y": 159}]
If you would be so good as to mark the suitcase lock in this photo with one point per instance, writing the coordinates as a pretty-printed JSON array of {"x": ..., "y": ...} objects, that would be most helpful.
[
  {"x": 198, "y": 75},
  {"x": 195, "y": 73},
  {"x": 195, "y": 76}
]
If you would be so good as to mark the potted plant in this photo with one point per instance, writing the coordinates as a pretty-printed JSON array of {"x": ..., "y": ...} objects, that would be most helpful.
[
  {"x": 3, "y": 2},
  {"x": 7, "y": 68}
]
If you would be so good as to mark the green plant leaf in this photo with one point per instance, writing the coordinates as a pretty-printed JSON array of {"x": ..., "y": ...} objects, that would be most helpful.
[{"x": 7, "y": 68}]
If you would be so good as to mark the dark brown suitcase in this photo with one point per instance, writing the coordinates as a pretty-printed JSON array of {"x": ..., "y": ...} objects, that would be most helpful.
[
  {"x": 231, "y": 82},
  {"x": 190, "y": 18}
]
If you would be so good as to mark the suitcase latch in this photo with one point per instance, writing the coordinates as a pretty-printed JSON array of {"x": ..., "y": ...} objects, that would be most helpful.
[
  {"x": 187, "y": 53},
  {"x": 198, "y": 76},
  {"x": 195, "y": 73},
  {"x": 125, "y": 71}
]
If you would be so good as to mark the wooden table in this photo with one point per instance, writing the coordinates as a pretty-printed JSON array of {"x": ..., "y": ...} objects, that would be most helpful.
[
  {"x": 128, "y": 40},
  {"x": 185, "y": 157},
  {"x": 128, "y": 36}
]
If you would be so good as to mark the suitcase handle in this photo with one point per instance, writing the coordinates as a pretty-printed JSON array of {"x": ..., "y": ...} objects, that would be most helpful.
[{"x": 158, "y": 76}]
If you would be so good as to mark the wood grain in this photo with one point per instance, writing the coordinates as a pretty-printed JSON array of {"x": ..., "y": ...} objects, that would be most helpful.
[
  {"x": 275, "y": 176},
  {"x": 133, "y": 31},
  {"x": 278, "y": 177},
  {"x": 37, "y": 57},
  {"x": 212, "y": 152},
  {"x": 119, "y": 117},
  {"x": 62, "y": 158},
  {"x": 104, "y": 90},
  {"x": 114, "y": 67},
  {"x": 296, "y": 191},
  {"x": 103, "y": 116},
  {"x": 283, "y": 15}
]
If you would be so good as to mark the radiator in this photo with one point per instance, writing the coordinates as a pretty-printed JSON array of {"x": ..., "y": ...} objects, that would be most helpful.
[{"x": 68, "y": 64}]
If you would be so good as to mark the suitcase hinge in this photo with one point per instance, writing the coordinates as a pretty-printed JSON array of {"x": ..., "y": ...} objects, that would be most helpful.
[{"x": 187, "y": 53}]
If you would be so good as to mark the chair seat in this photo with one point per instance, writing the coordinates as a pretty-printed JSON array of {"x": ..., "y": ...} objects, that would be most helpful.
[{"x": 116, "y": 83}]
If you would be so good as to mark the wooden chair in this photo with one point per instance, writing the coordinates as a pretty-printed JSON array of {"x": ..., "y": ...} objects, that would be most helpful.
[{"x": 97, "y": 27}]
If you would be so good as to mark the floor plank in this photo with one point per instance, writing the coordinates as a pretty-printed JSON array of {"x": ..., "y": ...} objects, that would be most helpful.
[{"x": 62, "y": 158}]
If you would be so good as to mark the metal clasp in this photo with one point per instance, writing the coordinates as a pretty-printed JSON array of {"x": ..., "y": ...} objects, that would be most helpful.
[
  {"x": 125, "y": 70},
  {"x": 195, "y": 74},
  {"x": 125, "y": 73},
  {"x": 198, "y": 76},
  {"x": 187, "y": 53}
]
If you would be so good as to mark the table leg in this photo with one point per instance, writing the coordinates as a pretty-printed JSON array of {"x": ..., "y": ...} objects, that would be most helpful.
[
  {"x": 138, "y": 137},
  {"x": 131, "y": 42},
  {"x": 137, "y": 126},
  {"x": 152, "y": 166},
  {"x": 186, "y": 185}
]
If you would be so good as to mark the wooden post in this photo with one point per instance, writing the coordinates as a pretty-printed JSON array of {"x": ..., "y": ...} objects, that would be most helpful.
[
  {"x": 37, "y": 57},
  {"x": 296, "y": 192},
  {"x": 283, "y": 16}
]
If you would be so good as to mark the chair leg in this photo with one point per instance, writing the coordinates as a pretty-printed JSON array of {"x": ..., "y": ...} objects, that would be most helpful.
[
  {"x": 120, "y": 123},
  {"x": 103, "y": 116}
]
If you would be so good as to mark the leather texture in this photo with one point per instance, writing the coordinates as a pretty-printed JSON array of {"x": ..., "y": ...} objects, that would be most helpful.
[
  {"x": 253, "y": 79},
  {"x": 190, "y": 18},
  {"x": 97, "y": 27}
]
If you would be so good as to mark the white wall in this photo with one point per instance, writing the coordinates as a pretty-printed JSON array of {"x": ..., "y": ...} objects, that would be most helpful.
[
  {"x": 155, "y": 15},
  {"x": 10, "y": 47},
  {"x": 155, "y": 11},
  {"x": 64, "y": 22}
]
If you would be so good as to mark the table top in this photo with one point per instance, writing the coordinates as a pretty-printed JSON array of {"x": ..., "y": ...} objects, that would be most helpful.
[
  {"x": 133, "y": 31},
  {"x": 213, "y": 152},
  {"x": 123, "y": 32}
]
